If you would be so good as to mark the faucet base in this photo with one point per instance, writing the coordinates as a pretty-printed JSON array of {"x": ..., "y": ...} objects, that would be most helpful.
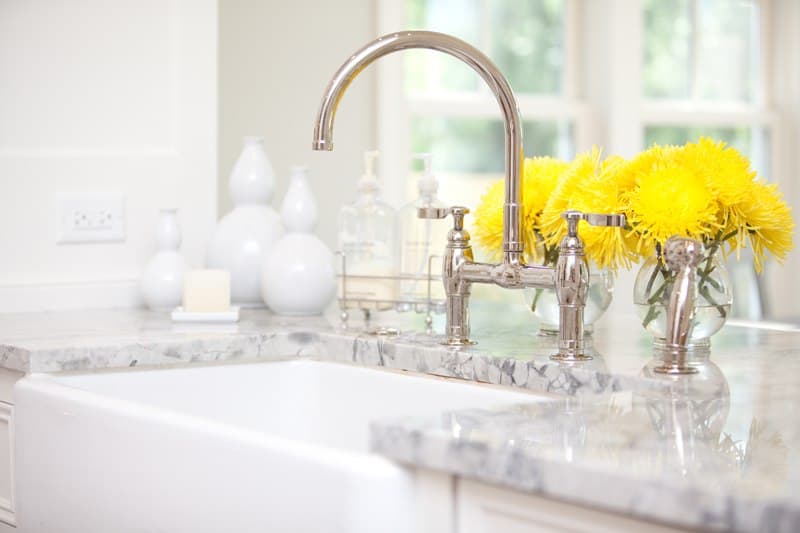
[
  {"x": 569, "y": 358},
  {"x": 675, "y": 370},
  {"x": 678, "y": 360},
  {"x": 458, "y": 342}
]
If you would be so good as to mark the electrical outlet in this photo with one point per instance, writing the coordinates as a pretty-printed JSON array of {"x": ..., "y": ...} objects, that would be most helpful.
[{"x": 90, "y": 217}]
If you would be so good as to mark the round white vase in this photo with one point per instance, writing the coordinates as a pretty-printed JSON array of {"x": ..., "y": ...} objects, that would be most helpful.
[
  {"x": 245, "y": 235},
  {"x": 162, "y": 280},
  {"x": 239, "y": 245},
  {"x": 298, "y": 275}
]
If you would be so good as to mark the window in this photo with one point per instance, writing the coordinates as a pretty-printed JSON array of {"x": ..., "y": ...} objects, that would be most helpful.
[
  {"x": 620, "y": 75},
  {"x": 703, "y": 73},
  {"x": 447, "y": 109}
]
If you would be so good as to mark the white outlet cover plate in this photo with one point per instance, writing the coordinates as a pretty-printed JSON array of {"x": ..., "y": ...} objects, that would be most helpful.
[{"x": 90, "y": 217}]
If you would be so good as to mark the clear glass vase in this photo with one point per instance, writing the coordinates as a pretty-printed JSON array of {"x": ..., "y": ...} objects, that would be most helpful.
[
  {"x": 713, "y": 297},
  {"x": 544, "y": 303}
]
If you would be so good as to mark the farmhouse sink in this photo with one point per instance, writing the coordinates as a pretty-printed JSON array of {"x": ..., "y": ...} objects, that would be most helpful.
[{"x": 279, "y": 446}]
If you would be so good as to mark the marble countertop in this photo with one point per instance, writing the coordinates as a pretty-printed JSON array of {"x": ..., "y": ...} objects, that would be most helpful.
[
  {"x": 712, "y": 455},
  {"x": 720, "y": 450}
]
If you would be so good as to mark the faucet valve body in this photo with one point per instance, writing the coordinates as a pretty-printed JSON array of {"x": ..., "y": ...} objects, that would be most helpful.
[
  {"x": 458, "y": 252},
  {"x": 572, "y": 284}
]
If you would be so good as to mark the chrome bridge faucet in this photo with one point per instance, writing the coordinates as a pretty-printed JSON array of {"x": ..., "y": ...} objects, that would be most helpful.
[{"x": 570, "y": 277}]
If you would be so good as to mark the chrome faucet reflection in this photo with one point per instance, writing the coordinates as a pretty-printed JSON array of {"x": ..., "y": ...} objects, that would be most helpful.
[{"x": 569, "y": 277}]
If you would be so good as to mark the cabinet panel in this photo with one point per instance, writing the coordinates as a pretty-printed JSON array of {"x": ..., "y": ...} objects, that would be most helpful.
[
  {"x": 434, "y": 495},
  {"x": 7, "y": 380},
  {"x": 484, "y": 508},
  {"x": 7, "y": 463}
]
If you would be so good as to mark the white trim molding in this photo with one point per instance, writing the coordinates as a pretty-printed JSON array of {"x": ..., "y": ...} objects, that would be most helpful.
[{"x": 123, "y": 293}]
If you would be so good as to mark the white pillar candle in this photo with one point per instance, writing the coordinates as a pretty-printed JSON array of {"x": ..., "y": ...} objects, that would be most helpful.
[{"x": 207, "y": 291}]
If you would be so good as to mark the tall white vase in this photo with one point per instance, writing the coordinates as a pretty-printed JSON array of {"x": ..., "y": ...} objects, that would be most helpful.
[
  {"x": 298, "y": 276},
  {"x": 162, "y": 280},
  {"x": 245, "y": 235}
]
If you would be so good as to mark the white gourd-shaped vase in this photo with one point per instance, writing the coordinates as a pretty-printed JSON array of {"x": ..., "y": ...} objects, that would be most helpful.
[
  {"x": 245, "y": 235},
  {"x": 162, "y": 280},
  {"x": 298, "y": 277}
]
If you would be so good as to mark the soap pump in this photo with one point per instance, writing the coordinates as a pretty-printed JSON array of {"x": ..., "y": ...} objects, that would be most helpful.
[
  {"x": 427, "y": 184},
  {"x": 420, "y": 241},
  {"x": 368, "y": 183},
  {"x": 368, "y": 240}
]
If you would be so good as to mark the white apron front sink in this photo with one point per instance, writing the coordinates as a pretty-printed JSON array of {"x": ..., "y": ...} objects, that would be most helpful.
[{"x": 279, "y": 447}]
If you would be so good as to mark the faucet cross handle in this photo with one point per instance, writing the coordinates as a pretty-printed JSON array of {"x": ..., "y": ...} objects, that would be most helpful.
[
  {"x": 457, "y": 211},
  {"x": 595, "y": 219}
]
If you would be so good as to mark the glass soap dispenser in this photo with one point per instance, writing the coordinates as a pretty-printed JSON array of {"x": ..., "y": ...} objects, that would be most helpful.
[
  {"x": 420, "y": 239},
  {"x": 368, "y": 240}
]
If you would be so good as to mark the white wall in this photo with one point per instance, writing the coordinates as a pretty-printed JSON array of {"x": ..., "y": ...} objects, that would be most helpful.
[
  {"x": 275, "y": 59},
  {"x": 109, "y": 97}
]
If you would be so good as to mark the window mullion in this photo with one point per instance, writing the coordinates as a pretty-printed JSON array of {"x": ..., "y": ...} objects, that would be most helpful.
[
  {"x": 766, "y": 73},
  {"x": 392, "y": 120},
  {"x": 695, "y": 32},
  {"x": 485, "y": 38},
  {"x": 572, "y": 47},
  {"x": 612, "y": 47}
]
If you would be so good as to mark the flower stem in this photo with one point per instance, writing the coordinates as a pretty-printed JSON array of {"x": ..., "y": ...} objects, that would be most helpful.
[{"x": 538, "y": 293}]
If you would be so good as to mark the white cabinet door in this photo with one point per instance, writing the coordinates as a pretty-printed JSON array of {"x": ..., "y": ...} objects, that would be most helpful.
[
  {"x": 483, "y": 508},
  {"x": 434, "y": 505},
  {"x": 6, "y": 465},
  {"x": 7, "y": 517}
]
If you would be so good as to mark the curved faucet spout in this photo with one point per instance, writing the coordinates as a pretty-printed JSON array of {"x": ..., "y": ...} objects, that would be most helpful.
[{"x": 323, "y": 130}]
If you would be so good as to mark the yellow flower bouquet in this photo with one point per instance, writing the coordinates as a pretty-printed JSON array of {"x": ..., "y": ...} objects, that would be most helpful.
[
  {"x": 550, "y": 187},
  {"x": 705, "y": 190}
]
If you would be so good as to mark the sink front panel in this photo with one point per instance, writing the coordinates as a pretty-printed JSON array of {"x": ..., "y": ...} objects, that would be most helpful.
[{"x": 256, "y": 447}]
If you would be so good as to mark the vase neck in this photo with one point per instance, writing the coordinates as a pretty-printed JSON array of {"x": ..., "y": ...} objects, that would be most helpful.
[
  {"x": 299, "y": 208},
  {"x": 252, "y": 178},
  {"x": 168, "y": 230}
]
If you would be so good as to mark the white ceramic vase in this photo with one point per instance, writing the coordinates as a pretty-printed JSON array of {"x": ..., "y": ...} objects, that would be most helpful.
[
  {"x": 298, "y": 276},
  {"x": 245, "y": 235},
  {"x": 162, "y": 280}
]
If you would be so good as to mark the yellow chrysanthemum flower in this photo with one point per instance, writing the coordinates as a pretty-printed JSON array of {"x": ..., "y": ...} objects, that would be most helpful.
[
  {"x": 724, "y": 168},
  {"x": 729, "y": 176},
  {"x": 591, "y": 186},
  {"x": 768, "y": 222},
  {"x": 655, "y": 157},
  {"x": 671, "y": 200}
]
